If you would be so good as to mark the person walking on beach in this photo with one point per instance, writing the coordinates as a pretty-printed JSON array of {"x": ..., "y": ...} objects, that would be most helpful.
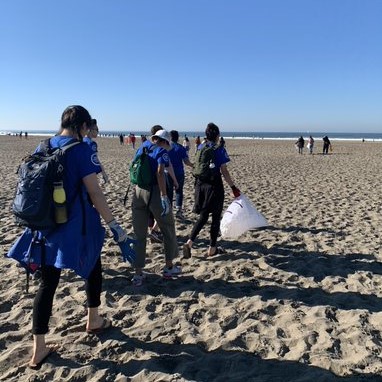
[
  {"x": 209, "y": 194},
  {"x": 155, "y": 234},
  {"x": 72, "y": 242},
  {"x": 326, "y": 145},
  {"x": 178, "y": 155},
  {"x": 300, "y": 144},
  {"x": 132, "y": 140},
  {"x": 154, "y": 200},
  {"x": 186, "y": 143},
  {"x": 197, "y": 142},
  {"x": 310, "y": 144},
  {"x": 89, "y": 139}
]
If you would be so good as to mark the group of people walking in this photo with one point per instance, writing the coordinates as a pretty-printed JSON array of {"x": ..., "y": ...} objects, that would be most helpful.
[
  {"x": 70, "y": 243},
  {"x": 300, "y": 143},
  {"x": 167, "y": 159}
]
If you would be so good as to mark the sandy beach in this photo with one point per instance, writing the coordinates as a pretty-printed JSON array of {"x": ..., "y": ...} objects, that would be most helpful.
[{"x": 300, "y": 300}]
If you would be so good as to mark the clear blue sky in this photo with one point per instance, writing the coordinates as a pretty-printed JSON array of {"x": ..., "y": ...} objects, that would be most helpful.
[{"x": 247, "y": 65}]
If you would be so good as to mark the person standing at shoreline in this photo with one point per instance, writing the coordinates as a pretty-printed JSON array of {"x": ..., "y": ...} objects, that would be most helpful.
[
  {"x": 326, "y": 145},
  {"x": 310, "y": 144},
  {"x": 300, "y": 144}
]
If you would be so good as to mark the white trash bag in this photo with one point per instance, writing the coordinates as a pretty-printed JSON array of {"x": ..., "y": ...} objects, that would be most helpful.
[{"x": 240, "y": 217}]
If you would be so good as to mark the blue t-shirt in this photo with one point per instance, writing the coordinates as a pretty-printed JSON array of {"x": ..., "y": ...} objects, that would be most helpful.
[
  {"x": 94, "y": 147},
  {"x": 157, "y": 156},
  {"x": 69, "y": 245},
  {"x": 177, "y": 155},
  {"x": 221, "y": 155},
  {"x": 80, "y": 161}
]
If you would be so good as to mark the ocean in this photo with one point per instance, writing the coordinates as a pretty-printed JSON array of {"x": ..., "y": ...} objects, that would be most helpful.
[{"x": 233, "y": 134}]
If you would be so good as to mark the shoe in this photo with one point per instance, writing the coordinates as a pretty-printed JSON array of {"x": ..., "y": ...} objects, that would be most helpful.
[
  {"x": 138, "y": 280},
  {"x": 174, "y": 271},
  {"x": 179, "y": 215},
  {"x": 155, "y": 237}
]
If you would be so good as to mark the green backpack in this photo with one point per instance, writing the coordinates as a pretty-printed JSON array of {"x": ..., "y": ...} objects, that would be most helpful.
[
  {"x": 204, "y": 167},
  {"x": 140, "y": 170}
]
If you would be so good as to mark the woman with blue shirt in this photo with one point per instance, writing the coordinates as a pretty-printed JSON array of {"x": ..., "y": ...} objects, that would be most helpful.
[
  {"x": 209, "y": 196},
  {"x": 77, "y": 243},
  {"x": 178, "y": 155}
]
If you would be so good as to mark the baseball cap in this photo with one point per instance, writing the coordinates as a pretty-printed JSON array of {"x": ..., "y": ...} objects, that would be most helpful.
[{"x": 162, "y": 134}]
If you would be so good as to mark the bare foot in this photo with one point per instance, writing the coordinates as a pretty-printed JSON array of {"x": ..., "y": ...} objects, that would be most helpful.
[
  {"x": 106, "y": 324},
  {"x": 40, "y": 355},
  {"x": 215, "y": 251},
  {"x": 96, "y": 323}
]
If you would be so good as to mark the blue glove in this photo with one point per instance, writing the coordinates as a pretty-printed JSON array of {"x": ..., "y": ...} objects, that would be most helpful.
[
  {"x": 119, "y": 234},
  {"x": 165, "y": 205},
  {"x": 128, "y": 252}
]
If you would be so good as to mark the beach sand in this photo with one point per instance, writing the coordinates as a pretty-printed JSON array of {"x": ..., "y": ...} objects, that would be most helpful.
[{"x": 300, "y": 300}]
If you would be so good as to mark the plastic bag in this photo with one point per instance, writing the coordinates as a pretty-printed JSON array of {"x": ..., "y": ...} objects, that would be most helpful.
[{"x": 240, "y": 217}]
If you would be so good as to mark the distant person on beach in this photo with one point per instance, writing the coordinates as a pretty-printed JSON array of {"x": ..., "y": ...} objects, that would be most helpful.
[
  {"x": 197, "y": 142},
  {"x": 121, "y": 139},
  {"x": 300, "y": 144},
  {"x": 132, "y": 140},
  {"x": 26, "y": 135},
  {"x": 186, "y": 143},
  {"x": 326, "y": 145},
  {"x": 221, "y": 142},
  {"x": 143, "y": 138},
  {"x": 209, "y": 195},
  {"x": 178, "y": 156},
  {"x": 89, "y": 139},
  {"x": 154, "y": 200},
  {"x": 310, "y": 144},
  {"x": 69, "y": 243}
]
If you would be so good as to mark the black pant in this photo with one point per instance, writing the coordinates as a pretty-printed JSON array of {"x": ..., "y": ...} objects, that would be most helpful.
[
  {"x": 209, "y": 199},
  {"x": 215, "y": 226},
  {"x": 43, "y": 302}
]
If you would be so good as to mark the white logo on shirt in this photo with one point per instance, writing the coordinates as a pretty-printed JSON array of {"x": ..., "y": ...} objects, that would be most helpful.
[{"x": 94, "y": 159}]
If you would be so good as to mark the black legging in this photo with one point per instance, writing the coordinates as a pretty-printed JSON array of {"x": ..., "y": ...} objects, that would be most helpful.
[
  {"x": 215, "y": 226},
  {"x": 43, "y": 302}
]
